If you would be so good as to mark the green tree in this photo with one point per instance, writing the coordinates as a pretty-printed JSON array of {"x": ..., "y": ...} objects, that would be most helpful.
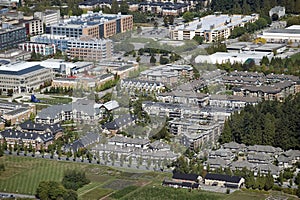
[
  {"x": 188, "y": 16},
  {"x": 198, "y": 39},
  {"x": 269, "y": 182},
  {"x": 114, "y": 7},
  {"x": 74, "y": 179},
  {"x": 152, "y": 60},
  {"x": 124, "y": 7}
]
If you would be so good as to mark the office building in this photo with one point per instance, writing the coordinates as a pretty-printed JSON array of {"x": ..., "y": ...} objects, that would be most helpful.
[
  {"x": 90, "y": 49},
  {"x": 23, "y": 77},
  {"x": 92, "y": 24},
  {"x": 48, "y": 17},
  {"x": 10, "y": 36},
  {"x": 289, "y": 34},
  {"x": 211, "y": 27}
]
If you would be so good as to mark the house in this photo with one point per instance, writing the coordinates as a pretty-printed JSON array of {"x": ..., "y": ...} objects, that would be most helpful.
[
  {"x": 234, "y": 147},
  {"x": 239, "y": 165},
  {"x": 269, "y": 168},
  {"x": 288, "y": 158},
  {"x": 37, "y": 140},
  {"x": 225, "y": 154},
  {"x": 260, "y": 158},
  {"x": 120, "y": 123},
  {"x": 86, "y": 140},
  {"x": 129, "y": 142},
  {"x": 215, "y": 163},
  {"x": 264, "y": 149},
  {"x": 55, "y": 129},
  {"x": 224, "y": 180}
]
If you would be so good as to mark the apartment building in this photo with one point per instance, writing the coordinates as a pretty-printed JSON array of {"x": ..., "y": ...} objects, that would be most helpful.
[
  {"x": 211, "y": 27},
  {"x": 23, "y": 77},
  {"x": 90, "y": 49},
  {"x": 92, "y": 24}
]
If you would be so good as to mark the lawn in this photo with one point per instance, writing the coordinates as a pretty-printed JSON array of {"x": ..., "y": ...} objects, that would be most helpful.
[
  {"x": 23, "y": 174},
  {"x": 56, "y": 100}
]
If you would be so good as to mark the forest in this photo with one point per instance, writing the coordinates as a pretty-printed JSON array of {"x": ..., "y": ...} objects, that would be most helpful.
[
  {"x": 254, "y": 6},
  {"x": 269, "y": 123}
]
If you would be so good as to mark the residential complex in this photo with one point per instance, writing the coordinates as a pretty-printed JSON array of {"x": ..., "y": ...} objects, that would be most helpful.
[
  {"x": 23, "y": 77},
  {"x": 211, "y": 27},
  {"x": 96, "y": 25}
]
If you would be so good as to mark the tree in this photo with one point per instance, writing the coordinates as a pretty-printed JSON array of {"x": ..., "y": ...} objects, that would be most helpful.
[
  {"x": 297, "y": 179},
  {"x": 298, "y": 191},
  {"x": 250, "y": 181},
  {"x": 124, "y": 7},
  {"x": 1, "y": 149},
  {"x": 166, "y": 21},
  {"x": 74, "y": 179},
  {"x": 163, "y": 60},
  {"x": 265, "y": 61},
  {"x": 152, "y": 60},
  {"x": 188, "y": 16},
  {"x": 114, "y": 7},
  {"x": 50, "y": 190},
  {"x": 269, "y": 182},
  {"x": 198, "y": 39}
]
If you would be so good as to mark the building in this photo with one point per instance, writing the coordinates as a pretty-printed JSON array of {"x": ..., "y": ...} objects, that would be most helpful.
[
  {"x": 90, "y": 49},
  {"x": 163, "y": 8},
  {"x": 277, "y": 91},
  {"x": 232, "y": 101},
  {"x": 23, "y": 77},
  {"x": 38, "y": 48},
  {"x": 80, "y": 111},
  {"x": 224, "y": 180},
  {"x": 277, "y": 12},
  {"x": 26, "y": 138},
  {"x": 16, "y": 112},
  {"x": 119, "y": 123},
  {"x": 289, "y": 34},
  {"x": 33, "y": 27},
  {"x": 48, "y": 17},
  {"x": 211, "y": 27},
  {"x": 133, "y": 85},
  {"x": 185, "y": 97},
  {"x": 10, "y": 36},
  {"x": 15, "y": 55},
  {"x": 61, "y": 42},
  {"x": 96, "y": 25},
  {"x": 234, "y": 57},
  {"x": 168, "y": 74}
]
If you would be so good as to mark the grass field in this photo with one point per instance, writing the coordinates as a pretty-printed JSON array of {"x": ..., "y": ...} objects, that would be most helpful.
[{"x": 23, "y": 174}]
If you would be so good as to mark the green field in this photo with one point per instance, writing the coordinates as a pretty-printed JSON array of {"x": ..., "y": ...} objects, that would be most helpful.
[{"x": 23, "y": 174}]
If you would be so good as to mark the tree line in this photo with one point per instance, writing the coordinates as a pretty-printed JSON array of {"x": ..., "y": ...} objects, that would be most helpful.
[
  {"x": 269, "y": 123},
  {"x": 254, "y": 6}
]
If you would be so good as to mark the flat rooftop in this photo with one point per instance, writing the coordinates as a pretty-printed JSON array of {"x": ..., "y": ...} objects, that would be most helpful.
[
  {"x": 89, "y": 19},
  {"x": 215, "y": 22},
  {"x": 20, "y": 68},
  {"x": 295, "y": 29}
]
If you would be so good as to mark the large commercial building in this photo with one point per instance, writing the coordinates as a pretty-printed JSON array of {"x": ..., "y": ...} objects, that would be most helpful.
[
  {"x": 10, "y": 37},
  {"x": 43, "y": 49},
  {"x": 61, "y": 42},
  {"x": 23, "y": 77},
  {"x": 289, "y": 34},
  {"x": 90, "y": 49},
  {"x": 96, "y": 25},
  {"x": 212, "y": 27}
]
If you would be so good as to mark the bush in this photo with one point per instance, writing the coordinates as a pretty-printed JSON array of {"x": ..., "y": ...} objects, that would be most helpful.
[{"x": 74, "y": 179}]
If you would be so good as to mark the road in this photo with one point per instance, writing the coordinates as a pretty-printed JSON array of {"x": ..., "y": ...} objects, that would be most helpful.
[{"x": 4, "y": 195}]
